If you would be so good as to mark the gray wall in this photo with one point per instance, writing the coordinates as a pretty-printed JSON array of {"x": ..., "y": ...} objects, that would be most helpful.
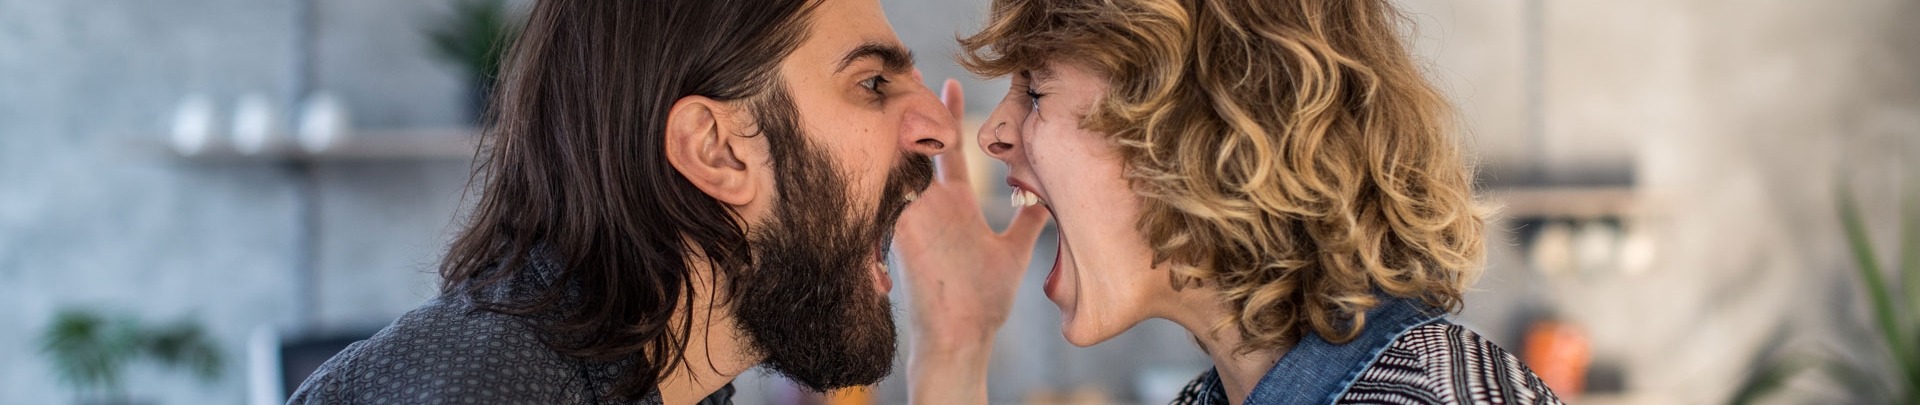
[
  {"x": 94, "y": 213},
  {"x": 1734, "y": 116},
  {"x": 1736, "y": 120}
]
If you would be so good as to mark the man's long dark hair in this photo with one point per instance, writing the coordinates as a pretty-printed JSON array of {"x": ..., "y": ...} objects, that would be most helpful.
[{"x": 575, "y": 165}]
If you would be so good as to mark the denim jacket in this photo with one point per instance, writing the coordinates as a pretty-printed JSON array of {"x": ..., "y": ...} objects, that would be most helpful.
[{"x": 1285, "y": 384}]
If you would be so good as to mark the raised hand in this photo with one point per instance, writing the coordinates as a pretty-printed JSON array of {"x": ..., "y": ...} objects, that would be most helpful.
[{"x": 961, "y": 276}]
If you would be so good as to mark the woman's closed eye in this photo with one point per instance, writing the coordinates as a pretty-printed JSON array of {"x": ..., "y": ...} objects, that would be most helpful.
[{"x": 1033, "y": 97}]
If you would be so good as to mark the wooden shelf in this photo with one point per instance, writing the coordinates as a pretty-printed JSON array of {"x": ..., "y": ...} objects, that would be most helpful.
[
  {"x": 447, "y": 144},
  {"x": 1572, "y": 201}
]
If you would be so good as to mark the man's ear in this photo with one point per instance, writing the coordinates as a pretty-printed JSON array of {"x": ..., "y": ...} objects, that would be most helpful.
[{"x": 706, "y": 152}]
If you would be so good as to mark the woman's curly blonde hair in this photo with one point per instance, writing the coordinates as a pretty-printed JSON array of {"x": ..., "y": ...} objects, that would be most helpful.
[{"x": 1289, "y": 152}]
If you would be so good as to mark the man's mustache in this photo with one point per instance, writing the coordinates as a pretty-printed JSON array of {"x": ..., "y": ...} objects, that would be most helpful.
[{"x": 913, "y": 175}]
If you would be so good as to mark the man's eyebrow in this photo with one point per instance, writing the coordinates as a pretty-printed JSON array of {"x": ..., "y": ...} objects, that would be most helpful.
[{"x": 893, "y": 57}]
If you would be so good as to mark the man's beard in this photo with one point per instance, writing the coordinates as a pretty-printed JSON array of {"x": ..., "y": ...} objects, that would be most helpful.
[{"x": 808, "y": 302}]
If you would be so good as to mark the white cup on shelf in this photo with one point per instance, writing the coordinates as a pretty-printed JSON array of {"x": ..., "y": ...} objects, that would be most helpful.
[
  {"x": 255, "y": 124},
  {"x": 193, "y": 124},
  {"x": 324, "y": 122}
]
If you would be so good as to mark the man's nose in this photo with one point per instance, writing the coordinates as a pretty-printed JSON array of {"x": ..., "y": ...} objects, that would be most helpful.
[{"x": 929, "y": 128}]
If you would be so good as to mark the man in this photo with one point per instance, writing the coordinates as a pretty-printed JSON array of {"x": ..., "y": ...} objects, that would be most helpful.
[{"x": 675, "y": 191}]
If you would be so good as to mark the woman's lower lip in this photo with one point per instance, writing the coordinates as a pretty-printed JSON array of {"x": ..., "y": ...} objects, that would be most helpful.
[
  {"x": 1052, "y": 286},
  {"x": 1053, "y": 281}
]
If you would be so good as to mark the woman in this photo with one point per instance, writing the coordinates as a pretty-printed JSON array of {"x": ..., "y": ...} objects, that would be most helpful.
[{"x": 1273, "y": 175}]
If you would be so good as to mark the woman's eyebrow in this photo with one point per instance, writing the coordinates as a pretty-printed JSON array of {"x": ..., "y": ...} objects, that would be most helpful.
[{"x": 1039, "y": 74}]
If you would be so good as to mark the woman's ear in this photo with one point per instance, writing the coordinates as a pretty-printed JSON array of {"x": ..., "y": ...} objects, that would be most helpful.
[{"x": 703, "y": 149}]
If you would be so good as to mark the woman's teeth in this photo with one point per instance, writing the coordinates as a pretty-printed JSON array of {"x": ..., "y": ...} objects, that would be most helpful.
[{"x": 1024, "y": 198}]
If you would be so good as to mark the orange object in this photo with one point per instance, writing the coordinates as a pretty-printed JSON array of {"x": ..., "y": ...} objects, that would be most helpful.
[
  {"x": 1559, "y": 353},
  {"x": 851, "y": 396}
]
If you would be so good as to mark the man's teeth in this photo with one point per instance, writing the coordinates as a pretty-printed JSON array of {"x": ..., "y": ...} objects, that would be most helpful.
[
  {"x": 912, "y": 195},
  {"x": 1023, "y": 198}
]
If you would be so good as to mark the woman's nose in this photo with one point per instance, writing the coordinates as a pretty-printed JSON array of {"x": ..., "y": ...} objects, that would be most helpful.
[{"x": 997, "y": 137}]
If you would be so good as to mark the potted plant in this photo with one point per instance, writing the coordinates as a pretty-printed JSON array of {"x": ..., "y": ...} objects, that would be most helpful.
[
  {"x": 1891, "y": 373},
  {"x": 474, "y": 37},
  {"x": 91, "y": 352}
]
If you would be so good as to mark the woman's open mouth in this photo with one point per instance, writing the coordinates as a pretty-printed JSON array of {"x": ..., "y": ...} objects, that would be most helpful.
[{"x": 1024, "y": 196}]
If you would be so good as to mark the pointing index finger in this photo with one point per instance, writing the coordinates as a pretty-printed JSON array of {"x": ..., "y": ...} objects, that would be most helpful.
[{"x": 953, "y": 163}]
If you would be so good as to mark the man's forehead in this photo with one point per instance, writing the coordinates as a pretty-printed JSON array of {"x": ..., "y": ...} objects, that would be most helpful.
[{"x": 845, "y": 31}]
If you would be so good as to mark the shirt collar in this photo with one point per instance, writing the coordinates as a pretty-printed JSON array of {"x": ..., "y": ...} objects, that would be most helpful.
[{"x": 1316, "y": 371}]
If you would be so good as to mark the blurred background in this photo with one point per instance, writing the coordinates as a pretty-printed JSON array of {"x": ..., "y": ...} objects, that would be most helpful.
[{"x": 1698, "y": 201}]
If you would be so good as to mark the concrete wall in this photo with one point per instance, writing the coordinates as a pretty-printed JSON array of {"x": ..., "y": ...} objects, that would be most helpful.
[
  {"x": 1735, "y": 118},
  {"x": 93, "y": 213}
]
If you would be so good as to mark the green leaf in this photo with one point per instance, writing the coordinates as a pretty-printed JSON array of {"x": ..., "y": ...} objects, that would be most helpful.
[
  {"x": 1771, "y": 369},
  {"x": 475, "y": 36},
  {"x": 1890, "y": 328},
  {"x": 1766, "y": 381},
  {"x": 91, "y": 351},
  {"x": 183, "y": 344},
  {"x": 78, "y": 344},
  {"x": 1910, "y": 265},
  {"x": 1866, "y": 386}
]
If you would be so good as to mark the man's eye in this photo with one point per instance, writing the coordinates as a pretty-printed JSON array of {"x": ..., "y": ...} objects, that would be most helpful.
[
  {"x": 1034, "y": 97},
  {"x": 876, "y": 84}
]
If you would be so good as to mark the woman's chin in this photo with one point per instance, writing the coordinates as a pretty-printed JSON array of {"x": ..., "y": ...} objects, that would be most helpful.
[
  {"x": 1078, "y": 339},
  {"x": 1081, "y": 333}
]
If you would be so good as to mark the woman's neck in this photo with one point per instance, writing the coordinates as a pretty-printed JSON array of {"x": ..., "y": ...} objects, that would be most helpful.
[{"x": 1199, "y": 310}]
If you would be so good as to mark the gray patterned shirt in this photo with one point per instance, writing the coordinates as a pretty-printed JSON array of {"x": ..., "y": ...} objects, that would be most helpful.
[
  {"x": 450, "y": 352},
  {"x": 1439, "y": 363}
]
